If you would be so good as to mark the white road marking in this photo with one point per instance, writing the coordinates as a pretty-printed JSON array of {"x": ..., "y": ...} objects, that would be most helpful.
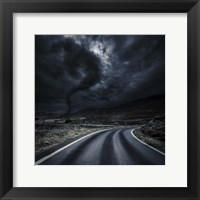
[
  {"x": 68, "y": 145},
  {"x": 146, "y": 143}
]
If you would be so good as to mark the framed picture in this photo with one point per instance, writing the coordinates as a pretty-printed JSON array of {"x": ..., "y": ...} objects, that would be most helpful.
[{"x": 99, "y": 99}]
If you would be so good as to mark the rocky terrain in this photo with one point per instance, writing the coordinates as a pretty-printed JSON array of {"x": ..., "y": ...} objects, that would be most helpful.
[
  {"x": 147, "y": 113},
  {"x": 52, "y": 132},
  {"x": 153, "y": 133}
]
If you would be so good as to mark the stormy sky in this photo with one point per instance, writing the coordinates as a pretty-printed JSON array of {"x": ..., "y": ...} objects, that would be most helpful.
[{"x": 77, "y": 72}]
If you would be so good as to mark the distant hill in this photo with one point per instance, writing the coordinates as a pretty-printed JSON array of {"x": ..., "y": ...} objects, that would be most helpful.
[{"x": 142, "y": 109}]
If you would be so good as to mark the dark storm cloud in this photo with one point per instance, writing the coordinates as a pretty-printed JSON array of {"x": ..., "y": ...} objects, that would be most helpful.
[
  {"x": 79, "y": 72},
  {"x": 80, "y": 64}
]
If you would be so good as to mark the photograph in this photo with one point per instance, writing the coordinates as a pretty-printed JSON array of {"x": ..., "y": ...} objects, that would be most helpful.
[{"x": 99, "y": 99}]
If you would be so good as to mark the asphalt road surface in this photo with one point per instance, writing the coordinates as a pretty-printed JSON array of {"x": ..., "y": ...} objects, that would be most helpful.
[{"x": 110, "y": 147}]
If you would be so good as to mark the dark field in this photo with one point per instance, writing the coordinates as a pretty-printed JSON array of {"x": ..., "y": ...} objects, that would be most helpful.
[{"x": 147, "y": 114}]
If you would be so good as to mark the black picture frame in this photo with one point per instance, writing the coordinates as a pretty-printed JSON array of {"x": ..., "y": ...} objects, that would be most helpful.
[{"x": 8, "y": 7}]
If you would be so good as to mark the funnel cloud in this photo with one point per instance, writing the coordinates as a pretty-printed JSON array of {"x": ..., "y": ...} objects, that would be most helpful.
[{"x": 77, "y": 72}]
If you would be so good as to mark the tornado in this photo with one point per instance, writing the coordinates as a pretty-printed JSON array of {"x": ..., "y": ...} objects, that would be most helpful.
[
  {"x": 92, "y": 77},
  {"x": 80, "y": 64}
]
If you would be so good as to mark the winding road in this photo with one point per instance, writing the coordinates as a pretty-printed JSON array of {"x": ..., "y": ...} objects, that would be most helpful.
[{"x": 117, "y": 146}]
